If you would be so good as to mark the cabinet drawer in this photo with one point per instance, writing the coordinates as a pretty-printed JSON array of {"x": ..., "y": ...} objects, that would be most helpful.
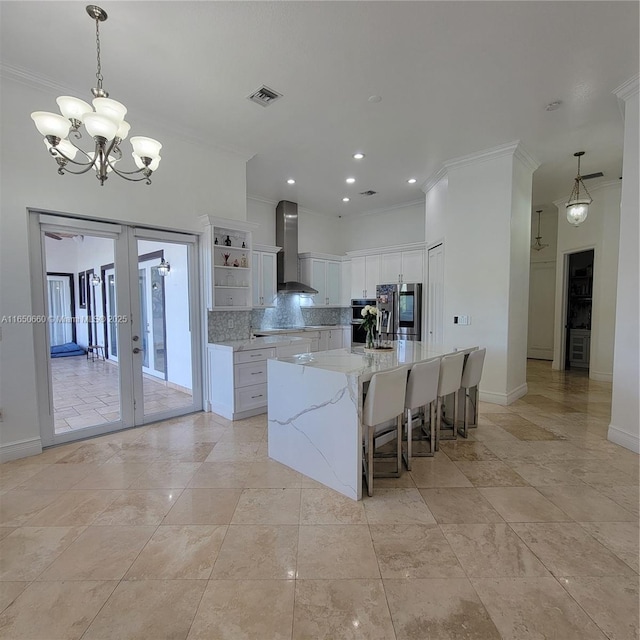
[
  {"x": 251, "y": 397},
  {"x": 254, "y": 355},
  {"x": 250, "y": 373}
]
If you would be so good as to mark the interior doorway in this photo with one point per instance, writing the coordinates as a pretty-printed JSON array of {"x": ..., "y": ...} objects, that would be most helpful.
[
  {"x": 435, "y": 295},
  {"x": 127, "y": 351},
  {"x": 579, "y": 305}
]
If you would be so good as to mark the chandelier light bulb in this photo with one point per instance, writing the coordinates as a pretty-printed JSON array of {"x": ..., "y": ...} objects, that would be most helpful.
[
  {"x": 51, "y": 124},
  {"x": 73, "y": 108},
  {"x": 146, "y": 147},
  {"x": 104, "y": 122},
  {"x": 100, "y": 126},
  {"x": 64, "y": 146},
  {"x": 112, "y": 109},
  {"x": 577, "y": 211},
  {"x": 153, "y": 165}
]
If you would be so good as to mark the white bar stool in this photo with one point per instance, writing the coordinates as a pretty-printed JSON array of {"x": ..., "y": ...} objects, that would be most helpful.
[
  {"x": 471, "y": 378},
  {"x": 384, "y": 402},
  {"x": 422, "y": 391},
  {"x": 449, "y": 383}
]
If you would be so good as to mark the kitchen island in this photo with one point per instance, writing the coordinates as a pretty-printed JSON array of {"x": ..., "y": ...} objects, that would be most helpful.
[{"x": 315, "y": 406}]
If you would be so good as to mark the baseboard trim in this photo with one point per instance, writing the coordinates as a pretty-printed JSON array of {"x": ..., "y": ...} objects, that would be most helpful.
[
  {"x": 600, "y": 376},
  {"x": 540, "y": 354},
  {"x": 624, "y": 438},
  {"x": 504, "y": 398},
  {"x": 20, "y": 449}
]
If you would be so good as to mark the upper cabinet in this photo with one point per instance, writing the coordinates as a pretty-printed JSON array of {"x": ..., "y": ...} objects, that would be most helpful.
[
  {"x": 264, "y": 271},
  {"x": 365, "y": 276},
  {"x": 402, "y": 266},
  {"x": 227, "y": 263},
  {"x": 370, "y": 268},
  {"x": 324, "y": 273}
]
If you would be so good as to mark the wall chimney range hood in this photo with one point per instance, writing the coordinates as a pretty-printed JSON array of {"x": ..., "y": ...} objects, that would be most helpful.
[{"x": 287, "y": 238}]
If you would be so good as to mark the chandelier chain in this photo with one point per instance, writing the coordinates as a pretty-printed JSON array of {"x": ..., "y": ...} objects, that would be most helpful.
[{"x": 99, "y": 71}]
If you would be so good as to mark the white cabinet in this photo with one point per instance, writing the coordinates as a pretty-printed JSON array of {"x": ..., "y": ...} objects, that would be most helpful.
[
  {"x": 264, "y": 276},
  {"x": 403, "y": 263},
  {"x": 238, "y": 380},
  {"x": 227, "y": 263},
  {"x": 402, "y": 266},
  {"x": 365, "y": 276},
  {"x": 335, "y": 338},
  {"x": 323, "y": 274},
  {"x": 413, "y": 266},
  {"x": 390, "y": 268},
  {"x": 345, "y": 281},
  {"x": 346, "y": 338}
]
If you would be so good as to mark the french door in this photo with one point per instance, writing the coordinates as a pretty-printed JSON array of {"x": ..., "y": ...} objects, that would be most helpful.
[
  {"x": 137, "y": 356},
  {"x": 435, "y": 296}
]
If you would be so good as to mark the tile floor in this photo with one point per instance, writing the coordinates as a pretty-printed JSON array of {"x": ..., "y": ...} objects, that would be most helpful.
[
  {"x": 86, "y": 393},
  {"x": 185, "y": 529}
]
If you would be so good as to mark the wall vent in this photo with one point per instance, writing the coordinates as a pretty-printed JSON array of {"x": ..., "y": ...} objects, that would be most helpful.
[
  {"x": 590, "y": 176},
  {"x": 368, "y": 193},
  {"x": 264, "y": 96}
]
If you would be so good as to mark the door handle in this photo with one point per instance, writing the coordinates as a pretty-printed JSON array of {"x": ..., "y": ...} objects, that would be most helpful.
[
  {"x": 137, "y": 350},
  {"x": 135, "y": 338}
]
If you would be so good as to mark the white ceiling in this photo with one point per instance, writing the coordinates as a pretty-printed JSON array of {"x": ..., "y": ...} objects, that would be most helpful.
[{"x": 455, "y": 78}]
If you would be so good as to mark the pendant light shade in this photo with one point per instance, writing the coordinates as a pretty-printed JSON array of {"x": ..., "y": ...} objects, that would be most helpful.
[{"x": 578, "y": 204}]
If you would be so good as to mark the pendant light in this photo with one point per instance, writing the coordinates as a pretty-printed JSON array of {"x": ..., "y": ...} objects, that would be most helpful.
[
  {"x": 105, "y": 124},
  {"x": 537, "y": 245},
  {"x": 578, "y": 205}
]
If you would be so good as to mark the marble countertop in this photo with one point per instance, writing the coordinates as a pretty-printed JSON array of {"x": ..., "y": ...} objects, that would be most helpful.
[
  {"x": 320, "y": 327},
  {"x": 260, "y": 343},
  {"x": 354, "y": 362}
]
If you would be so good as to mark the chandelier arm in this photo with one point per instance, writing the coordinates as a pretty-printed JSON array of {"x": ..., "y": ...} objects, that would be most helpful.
[
  {"x": 124, "y": 174},
  {"x": 56, "y": 153}
]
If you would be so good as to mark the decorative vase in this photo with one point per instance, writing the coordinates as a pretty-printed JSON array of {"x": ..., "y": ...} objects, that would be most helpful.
[{"x": 370, "y": 337}]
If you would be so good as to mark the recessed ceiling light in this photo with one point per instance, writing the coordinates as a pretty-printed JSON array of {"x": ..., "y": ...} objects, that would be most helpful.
[
  {"x": 552, "y": 106},
  {"x": 291, "y": 181},
  {"x": 350, "y": 180},
  {"x": 346, "y": 199},
  {"x": 358, "y": 156},
  {"x": 375, "y": 99},
  {"x": 412, "y": 181}
]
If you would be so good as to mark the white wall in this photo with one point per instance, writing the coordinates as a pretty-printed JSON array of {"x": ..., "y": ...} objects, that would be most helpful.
[
  {"x": 321, "y": 233},
  {"x": 625, "y": 410},
  {"x": 481, "y": 209},
  {"x": 542, "y": 286},
  {"x": 191, "y": 180},
  {"x": 399, "y": 225},
  {"x": 262, "y": 212},
  {"x": 600, "y": 231},
  {"x": 436, "y": 206}
]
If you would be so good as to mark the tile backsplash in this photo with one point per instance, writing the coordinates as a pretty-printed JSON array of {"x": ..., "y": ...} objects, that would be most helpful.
[{"x": 287, "y": 313}]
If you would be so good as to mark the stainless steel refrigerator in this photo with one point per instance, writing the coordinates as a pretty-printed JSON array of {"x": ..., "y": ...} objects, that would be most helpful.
[{"x": 400, "y": 311}]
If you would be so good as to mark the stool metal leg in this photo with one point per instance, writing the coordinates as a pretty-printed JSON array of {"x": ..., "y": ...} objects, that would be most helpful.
[
  {"x": 409, "y": 439},
  {"x": 432, "y": 427},
  {"x": 370, "y": 462},
  {"x": 399, "y": 447}
]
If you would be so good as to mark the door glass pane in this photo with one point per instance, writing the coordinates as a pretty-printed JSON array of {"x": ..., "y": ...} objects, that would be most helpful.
[
  {"x": 166, "y": 331},
  {"x": 85, "y": 379},
  {"x": 112, "y": 313}
]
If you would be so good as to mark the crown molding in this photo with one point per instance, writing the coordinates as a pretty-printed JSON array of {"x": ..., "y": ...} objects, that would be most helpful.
[
  {"x": 413, "y": 246},
  {"x": 628, "y": 89},
  {"x": 433, "y": 179},
  {"x": 40, "y": 83},
  {"x": 262, "y": 200},
  {"x": 509, "y": 149}
]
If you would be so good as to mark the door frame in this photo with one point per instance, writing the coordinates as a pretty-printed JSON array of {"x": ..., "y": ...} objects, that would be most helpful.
[
  {"x": 560, "y": 351},
  {"x": 38, "y": 220}
]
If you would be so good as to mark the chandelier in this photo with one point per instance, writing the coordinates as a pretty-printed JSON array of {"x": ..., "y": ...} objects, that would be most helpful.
[
  {"x": 104, "y": 122},
  {"x": 578, "y": 205},
  {"x": 537, "y": 245}
]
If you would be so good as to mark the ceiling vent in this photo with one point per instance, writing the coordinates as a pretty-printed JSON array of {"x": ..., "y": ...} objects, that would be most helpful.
[
  {"x": 590, "y": 176},
  {"x": 264, "y": 96},
  {"x": 368, "y": 193}
]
